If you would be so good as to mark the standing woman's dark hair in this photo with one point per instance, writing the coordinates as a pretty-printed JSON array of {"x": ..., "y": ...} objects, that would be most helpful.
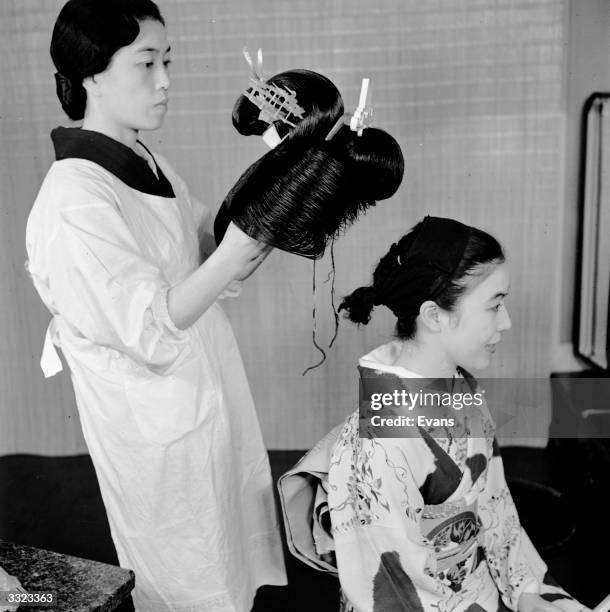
[
  {"x": 85, "y": 38},
  {"x": 433, "y": 261}
]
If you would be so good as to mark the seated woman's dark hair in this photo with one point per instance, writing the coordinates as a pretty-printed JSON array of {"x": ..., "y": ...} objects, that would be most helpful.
[
  {"x": 306, "y": 190},
  {"x": 86, "y": 35},
  {"x": 433, "y": 261}
]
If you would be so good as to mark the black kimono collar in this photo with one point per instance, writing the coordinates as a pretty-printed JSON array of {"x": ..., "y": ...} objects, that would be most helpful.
[{"x": 113, "y": 156}]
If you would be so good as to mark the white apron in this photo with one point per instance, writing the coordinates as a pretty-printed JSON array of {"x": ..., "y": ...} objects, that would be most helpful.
[{"x": 167, "y": 414}]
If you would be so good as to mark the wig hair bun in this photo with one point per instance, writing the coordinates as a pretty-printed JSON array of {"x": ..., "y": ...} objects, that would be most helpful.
[
  {"x": 307, "y": 190},
  {"x": 377, "y": 163},
  {"x": 245, "y": 118},
  {"x": 315, "y": 93}
]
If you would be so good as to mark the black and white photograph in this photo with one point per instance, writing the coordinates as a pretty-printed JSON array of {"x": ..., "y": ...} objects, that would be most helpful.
[{"x": 305, "y": 305}]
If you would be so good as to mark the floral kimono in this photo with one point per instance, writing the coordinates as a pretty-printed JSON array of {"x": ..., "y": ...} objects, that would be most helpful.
[{"x": 415, "y": 523}]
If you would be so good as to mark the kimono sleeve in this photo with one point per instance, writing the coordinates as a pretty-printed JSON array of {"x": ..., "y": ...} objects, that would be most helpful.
[
  {"x": 514, "y": 563},
  {"x": 384, "y": 562},
  {"x": 105, "y": 288}
]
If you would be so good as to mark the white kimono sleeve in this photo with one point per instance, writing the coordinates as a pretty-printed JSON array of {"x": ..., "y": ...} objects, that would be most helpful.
[
  {"x": 106, "y": 289},
  {"x": 514, "y": 563}
]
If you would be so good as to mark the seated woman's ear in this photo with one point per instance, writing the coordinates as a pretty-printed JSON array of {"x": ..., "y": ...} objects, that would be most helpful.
[{"x": 430, "y": 315}]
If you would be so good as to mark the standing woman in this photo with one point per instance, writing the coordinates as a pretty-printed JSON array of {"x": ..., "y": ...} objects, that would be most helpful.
[{"x": 162, "y": 394}]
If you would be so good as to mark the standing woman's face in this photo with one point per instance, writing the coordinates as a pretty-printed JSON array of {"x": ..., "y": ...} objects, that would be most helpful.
[{"x": 131, "y": 94}]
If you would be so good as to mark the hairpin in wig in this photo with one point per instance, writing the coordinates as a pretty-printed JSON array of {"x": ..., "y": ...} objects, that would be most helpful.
[{"x": 276, "y": 103}]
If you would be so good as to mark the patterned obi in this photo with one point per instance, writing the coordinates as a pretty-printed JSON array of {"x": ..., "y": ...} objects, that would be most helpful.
[{"x": 453, "y": 529}]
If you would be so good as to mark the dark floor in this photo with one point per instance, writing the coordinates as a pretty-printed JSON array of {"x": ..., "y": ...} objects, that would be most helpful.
[{"x": 54, "y": 503}]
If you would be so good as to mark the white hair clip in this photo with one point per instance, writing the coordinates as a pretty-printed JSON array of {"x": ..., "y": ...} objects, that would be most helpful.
[
  {"x": 361, "y": 118},
  {"x": 276, "y": 103}
]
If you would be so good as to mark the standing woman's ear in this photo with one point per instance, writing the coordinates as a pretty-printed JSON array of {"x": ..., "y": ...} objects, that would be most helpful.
[{"x": 90, "y": 85}]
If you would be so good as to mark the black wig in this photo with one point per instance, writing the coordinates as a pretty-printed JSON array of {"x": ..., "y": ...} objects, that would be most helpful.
[{"x": 307, "y": 190}]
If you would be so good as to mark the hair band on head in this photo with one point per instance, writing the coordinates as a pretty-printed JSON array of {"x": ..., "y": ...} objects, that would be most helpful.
[
  {"x": 434, "y": 257},
  {"x": 443, "y": 241}
]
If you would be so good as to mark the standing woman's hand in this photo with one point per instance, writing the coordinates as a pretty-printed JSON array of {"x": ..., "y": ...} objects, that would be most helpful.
[
  {"x": 236, "y": 257},
  {"x": 240, "y": 253}
]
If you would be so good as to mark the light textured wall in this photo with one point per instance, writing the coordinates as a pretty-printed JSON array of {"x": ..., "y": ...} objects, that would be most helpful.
[
  {"x": 36, "y": 416},
  {"x": 474, "y": 90},
  {"x": 587, "y": 71}
]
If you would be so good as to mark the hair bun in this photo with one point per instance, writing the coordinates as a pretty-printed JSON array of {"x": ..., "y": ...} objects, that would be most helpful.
[
  {"x": 377, "y": 163},
  {"x": 315, "y": 93},
  {"x": 72, "y": 97},
  {"x": 245, "y": 118},
  {"x": 359, "y": 304}
]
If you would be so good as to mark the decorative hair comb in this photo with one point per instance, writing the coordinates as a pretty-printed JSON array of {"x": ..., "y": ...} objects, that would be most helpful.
[
  {"x": 276, "y": 103},
  {"x": 361, "y": 118}
]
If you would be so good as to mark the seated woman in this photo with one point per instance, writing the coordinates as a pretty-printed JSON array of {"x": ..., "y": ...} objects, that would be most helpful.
[
  {"x": 321, "y": 172},
  {"x": 420, "y": 517}
]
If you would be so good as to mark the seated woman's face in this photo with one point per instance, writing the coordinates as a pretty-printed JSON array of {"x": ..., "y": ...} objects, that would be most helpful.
[
  {"x": 132, "y": 92},
  {"x": 479, "y": 319}
]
